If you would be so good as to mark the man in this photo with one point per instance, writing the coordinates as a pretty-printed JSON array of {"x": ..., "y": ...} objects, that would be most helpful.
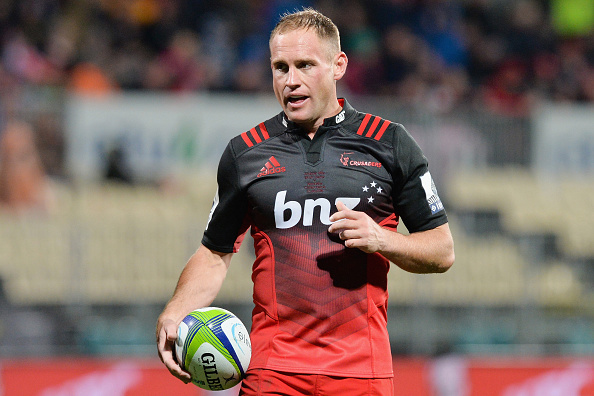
[{"x": 320, "y": 278}]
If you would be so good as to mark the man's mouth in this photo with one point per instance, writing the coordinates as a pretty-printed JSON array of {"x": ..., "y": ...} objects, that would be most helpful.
[{"x": 296, "y": 99}]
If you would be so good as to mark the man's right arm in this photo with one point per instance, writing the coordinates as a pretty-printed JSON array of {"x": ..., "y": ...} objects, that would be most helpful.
[{"x": 197, "y": 287}]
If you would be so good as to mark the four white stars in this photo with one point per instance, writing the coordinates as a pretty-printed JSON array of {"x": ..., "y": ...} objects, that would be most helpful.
[{"x": 373, "y": 184}]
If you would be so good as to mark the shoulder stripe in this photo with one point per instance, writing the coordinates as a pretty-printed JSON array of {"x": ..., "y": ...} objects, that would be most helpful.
[
  {"x": 363, "y": 124},
  {"x": 254, "y": 136},
  {"x": 382, "y": 130},
  {"x": 373, "y": 126},
  {"x": 264, "y": 131},
  {"x": 246, "y": 139}
]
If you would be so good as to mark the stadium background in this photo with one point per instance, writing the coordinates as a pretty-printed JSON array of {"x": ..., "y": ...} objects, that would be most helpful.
[{"x": 127, "y": 106}]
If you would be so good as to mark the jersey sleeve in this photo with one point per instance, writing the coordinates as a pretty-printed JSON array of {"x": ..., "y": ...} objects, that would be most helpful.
[
  {"x": 226, "y": 222},
  {"x": 415, "y": 196}
]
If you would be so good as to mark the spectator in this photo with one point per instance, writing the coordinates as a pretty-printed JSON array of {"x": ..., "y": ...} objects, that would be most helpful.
[
  {"x": 508, "y": 91},
  {"x": 24, "y": 186},
  {"x": 88, "y": 79},
  {"x": 362, "y": 41},
  {"x": 181, "y": 67}
]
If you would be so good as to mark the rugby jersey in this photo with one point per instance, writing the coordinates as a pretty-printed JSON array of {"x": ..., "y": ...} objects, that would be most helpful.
[{"x": 320, "y": 307}]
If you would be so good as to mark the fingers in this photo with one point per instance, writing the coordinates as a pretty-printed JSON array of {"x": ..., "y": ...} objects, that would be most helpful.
[
  {"x": 175, "y": 368},
  {"x": 355, "y": 228},
  {"x": 339, "y": 217},
  {"x": 336, "y": 227},
  {"x": 171, "y": 331},
  {"x": 166, "y": 334},
  {"x": 341, "y": 221},
  {"x": 165, "y": 346},
  {"x": 342, "y": 212},
  {"x": 341, "y": 206},
  {"x": 349, "y": 240}
]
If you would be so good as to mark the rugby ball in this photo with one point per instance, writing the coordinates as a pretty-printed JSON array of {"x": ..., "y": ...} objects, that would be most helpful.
[{"x": 213, "y": 345}]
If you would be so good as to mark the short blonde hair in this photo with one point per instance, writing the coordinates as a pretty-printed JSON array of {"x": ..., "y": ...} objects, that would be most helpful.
[{"x": 308, "y": 18}]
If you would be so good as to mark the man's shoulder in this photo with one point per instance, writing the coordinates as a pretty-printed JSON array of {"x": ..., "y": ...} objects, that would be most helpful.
[
  {"x": 375, "y": 127},
  {"x": 258, "y": 134}
]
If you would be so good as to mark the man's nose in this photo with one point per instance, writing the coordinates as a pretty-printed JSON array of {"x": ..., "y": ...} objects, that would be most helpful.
[{"x": 293, "y": 78}]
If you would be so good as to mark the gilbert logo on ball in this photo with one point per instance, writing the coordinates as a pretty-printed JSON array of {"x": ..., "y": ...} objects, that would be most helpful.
[{"x": 213, "y": 345}]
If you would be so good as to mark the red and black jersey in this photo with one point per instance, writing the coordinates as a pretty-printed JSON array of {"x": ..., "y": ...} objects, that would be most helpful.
[{"x": 320, "y": 307}]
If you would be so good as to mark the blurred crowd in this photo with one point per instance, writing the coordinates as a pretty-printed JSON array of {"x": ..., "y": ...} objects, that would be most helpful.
[
  {"x": 502, "y": 53},
  {"x": 497, "y": 55}
]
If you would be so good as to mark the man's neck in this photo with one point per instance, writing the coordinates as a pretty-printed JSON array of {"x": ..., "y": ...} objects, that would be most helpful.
[{"x": 311, "y": 131}]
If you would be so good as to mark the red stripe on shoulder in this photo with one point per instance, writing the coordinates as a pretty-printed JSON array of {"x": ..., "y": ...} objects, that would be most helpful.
[
  {"x": 246, "y": 139},
  {"x": 363, "y": 124},
  {"x": 255, "y": 135},
  {"x": 382, "y": 130},
  {"x": 373, "y": 126},
  {"x": 264, "y": 131}
]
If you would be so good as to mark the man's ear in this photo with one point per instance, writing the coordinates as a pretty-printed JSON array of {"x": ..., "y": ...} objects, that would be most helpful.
[{"x": 340, "y": 65}]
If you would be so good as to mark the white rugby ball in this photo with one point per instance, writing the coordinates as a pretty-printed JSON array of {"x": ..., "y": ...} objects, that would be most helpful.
[{"x": 213, "y": 345}]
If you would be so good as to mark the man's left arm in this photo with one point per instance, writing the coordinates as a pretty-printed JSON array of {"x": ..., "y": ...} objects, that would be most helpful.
[{"x": 420, "y": 252}]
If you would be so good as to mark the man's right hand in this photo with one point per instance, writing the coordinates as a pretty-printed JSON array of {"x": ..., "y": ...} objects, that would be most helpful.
[{"x": 166, "y": 336}]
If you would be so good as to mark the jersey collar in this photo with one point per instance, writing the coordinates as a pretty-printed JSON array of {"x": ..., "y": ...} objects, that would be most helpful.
[{"x": 346, "y": 112}]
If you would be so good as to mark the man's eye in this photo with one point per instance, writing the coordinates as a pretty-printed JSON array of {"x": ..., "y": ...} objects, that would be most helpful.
[{"x": 282, "y": 68}]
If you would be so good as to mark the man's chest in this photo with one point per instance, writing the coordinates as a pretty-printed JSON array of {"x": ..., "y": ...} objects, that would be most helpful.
[{"x": 287, "y": 186}]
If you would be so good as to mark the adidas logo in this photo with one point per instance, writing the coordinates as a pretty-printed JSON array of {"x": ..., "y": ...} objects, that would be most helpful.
[{"x": 272, "y": 166}]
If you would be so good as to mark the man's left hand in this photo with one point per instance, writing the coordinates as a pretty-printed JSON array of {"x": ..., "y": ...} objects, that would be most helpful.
[{"x": 357, "y": 229}]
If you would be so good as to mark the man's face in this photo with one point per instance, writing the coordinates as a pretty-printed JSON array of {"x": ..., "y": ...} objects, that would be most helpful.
[{"x": 304, "y": 72}]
